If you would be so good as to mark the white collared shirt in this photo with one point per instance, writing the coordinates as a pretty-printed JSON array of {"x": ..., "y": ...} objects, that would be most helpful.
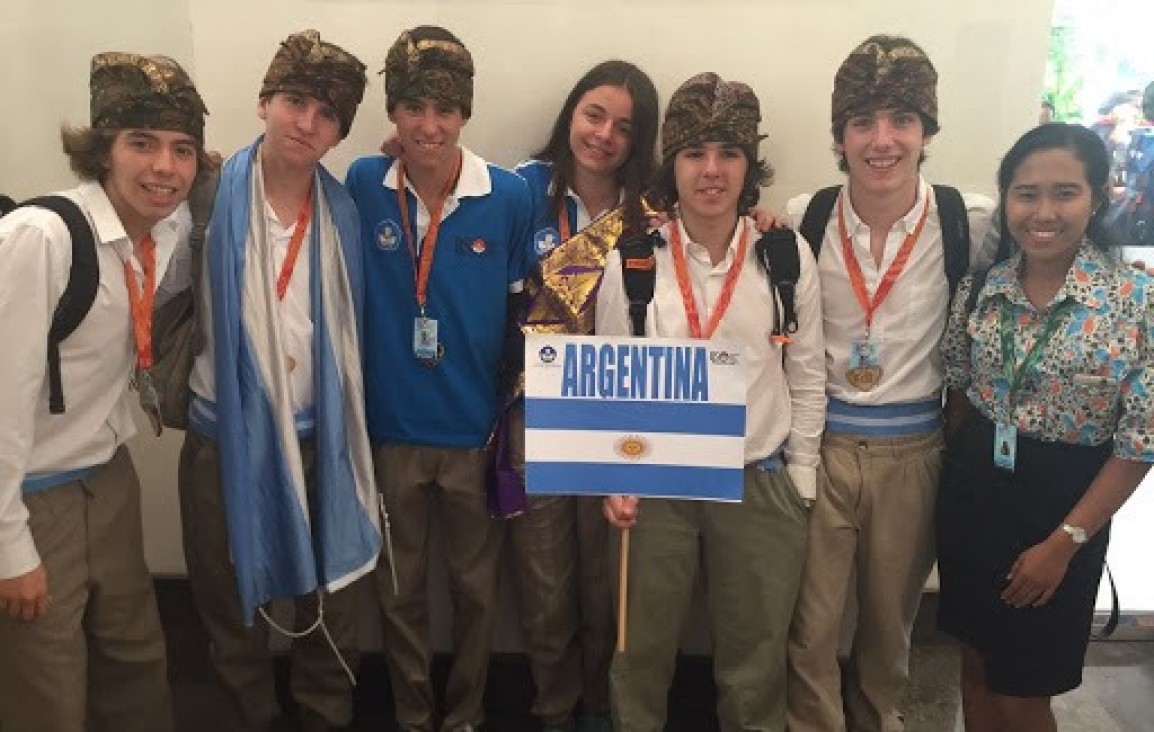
[
  {"x": 584, "y": 217},
  {"x": 785, "y": 398},
  {"x": 96, "y": 361},
  {"x": 909, "y": 323}
]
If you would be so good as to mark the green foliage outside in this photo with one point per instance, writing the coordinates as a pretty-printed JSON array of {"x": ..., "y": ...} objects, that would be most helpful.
[{"x": 1063, "y": 84}]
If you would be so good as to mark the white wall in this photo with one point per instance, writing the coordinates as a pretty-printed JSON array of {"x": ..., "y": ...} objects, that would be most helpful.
[{"x": 990, "y": 55}]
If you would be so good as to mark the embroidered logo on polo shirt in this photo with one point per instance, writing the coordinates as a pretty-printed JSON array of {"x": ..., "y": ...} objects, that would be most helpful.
[
  {"x": 478, "y": 246},
  {"x": 546, "y": 240},
  {"x": 388, "y": 236}
]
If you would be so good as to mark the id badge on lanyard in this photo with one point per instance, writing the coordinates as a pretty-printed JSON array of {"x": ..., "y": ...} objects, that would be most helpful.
[{"x": 1006, "y": 433}]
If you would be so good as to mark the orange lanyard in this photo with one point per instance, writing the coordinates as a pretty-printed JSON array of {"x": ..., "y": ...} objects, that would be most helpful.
[
  {"x": 686, "y": 286},
  {"x": 141, "y": 302},
  {"x": 422, "y": 270},
  {"x": 857, "y": 279},
  {"x": 294, "y": 248},
  {"x": 563, "y": 220}
]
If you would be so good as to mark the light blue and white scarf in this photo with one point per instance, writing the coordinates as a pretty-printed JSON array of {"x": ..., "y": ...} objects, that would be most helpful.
[{"x": 281, "y": 545}]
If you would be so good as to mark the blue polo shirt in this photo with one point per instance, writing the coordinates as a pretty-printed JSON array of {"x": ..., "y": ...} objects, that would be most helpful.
[
  {"x": 483, "y": 253},
  {"x": 546, "y": 230}
]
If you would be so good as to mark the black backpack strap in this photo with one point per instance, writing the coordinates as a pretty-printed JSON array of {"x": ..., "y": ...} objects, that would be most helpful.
[
  {"x": 816, "y": 217},
  {"x": 78, "y": 295},
  {"x": 639, "y": 274},
  {"x": 955, "y": 233},
  {"x": 777, "y": 255}
]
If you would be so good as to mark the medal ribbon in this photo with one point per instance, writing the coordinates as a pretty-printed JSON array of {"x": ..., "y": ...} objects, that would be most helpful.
[
  {"x": 294, "y": 248},
  {"x": 686, "y": 286},
  {"x": 141, "y": 300},
  {"x": 857, "y": 279},
  {"x": 1014, "y": 372},
  {"x": 423, "y": 265}
]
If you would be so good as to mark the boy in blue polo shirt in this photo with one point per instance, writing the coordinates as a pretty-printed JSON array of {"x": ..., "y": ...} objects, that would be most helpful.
[{"x": 447, "y": 245}]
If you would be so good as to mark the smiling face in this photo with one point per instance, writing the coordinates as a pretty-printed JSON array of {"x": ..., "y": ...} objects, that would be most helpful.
[
  {"x": 601, "y": 130},
  {"x": 148, "y": 174},
  {"x": 299, "y": 129},
  {"x": 883, "y": 150},
  {"x": 1048, "y": 205},
  {"x": 709, "y": 178},
  {"x": 428, "y": 131}
]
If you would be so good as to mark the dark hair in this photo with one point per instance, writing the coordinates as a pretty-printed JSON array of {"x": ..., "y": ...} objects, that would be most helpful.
[
  {"x": 88, "y": 150},
  {"x": 6, "y": 204},
  {"x": 929, "y": 128},
  {"x": 637, "y": 169},
  {"x": 1086, "y": 147},
  {"x": 759, "y": 173}
]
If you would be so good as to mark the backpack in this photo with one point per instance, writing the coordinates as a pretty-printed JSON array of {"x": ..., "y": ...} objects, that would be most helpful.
[
  {"x": 175, "y": 330},
  {"x": 776, "y": 253},
  {"x": 79, "y": 293},
  {"x": 951, "y": 215}
]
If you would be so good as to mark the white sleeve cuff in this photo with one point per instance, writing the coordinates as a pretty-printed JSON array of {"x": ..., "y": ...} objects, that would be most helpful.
[
  {"x": 804, "y": 479},
  {"x": 19, "y": 556}
]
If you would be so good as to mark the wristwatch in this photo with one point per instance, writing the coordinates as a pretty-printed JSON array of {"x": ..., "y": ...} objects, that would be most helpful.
[{"x": 1077, "y": 533}]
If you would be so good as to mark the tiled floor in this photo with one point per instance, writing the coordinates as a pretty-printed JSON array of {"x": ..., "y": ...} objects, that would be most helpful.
[{"x": 1115, "y": 697}]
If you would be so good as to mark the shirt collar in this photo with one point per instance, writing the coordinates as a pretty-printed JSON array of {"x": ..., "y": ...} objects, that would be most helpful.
[
  {"x": 106, "y": 222},
  {"x": 698, "y": 252},
  {"x": 906, "y": 223},
  {"x": 1087, "y": 281},
  {"x": 473, "y": 182}
]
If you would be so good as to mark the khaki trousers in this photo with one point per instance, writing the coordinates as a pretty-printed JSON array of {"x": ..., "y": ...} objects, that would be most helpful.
[
  {"x": 873, "y": 519},
  {"x": 419, "y": 482},
  {"x": 542, "y": 546},
  {"x": 96, "y": 661},
  {"x": 751, "y": 557},
  {"x": 555, "y": 550},
  {"x": 240, "y": 654}
]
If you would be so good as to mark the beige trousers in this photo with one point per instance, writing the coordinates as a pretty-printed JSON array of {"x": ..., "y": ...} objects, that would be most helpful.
[
  {"x": 419, "y": 482},
  {"x": 873, "y": 520},
  {"x": 96, "y": 661}
]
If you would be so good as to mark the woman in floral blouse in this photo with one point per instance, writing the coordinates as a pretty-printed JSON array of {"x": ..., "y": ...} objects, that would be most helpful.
[{"x": 1051, "y": 429}]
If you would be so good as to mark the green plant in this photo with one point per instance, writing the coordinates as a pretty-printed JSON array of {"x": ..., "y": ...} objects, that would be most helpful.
[{"x": 1063, "y": 83}]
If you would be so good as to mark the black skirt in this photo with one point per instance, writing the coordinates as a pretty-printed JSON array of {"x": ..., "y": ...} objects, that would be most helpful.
[{"x": 986, "y": 517}]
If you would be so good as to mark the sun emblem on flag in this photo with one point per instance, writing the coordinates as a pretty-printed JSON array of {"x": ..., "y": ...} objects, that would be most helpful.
[{"x": 632, "y": 447}]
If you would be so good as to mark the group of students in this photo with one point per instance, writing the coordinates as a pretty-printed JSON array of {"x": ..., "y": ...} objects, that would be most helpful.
[{"x": 360, "y": 368}]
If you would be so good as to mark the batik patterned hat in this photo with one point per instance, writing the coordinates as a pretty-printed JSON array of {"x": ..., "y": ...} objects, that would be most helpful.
[
  {"x": 886, "y": 71},
  {"x": 428, "y": 62},
  {"x": 130, "y": 91},
  {"x": 708, "y": 108},
  {"x": 306, "y": 65}
]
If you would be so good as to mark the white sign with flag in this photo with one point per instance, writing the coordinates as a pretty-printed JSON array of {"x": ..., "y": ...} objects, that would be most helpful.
[{"x": 657, "y": 417}]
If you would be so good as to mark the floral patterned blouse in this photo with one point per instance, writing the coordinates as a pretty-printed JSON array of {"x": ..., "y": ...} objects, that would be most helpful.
[{"x": 1095, "y": 376}]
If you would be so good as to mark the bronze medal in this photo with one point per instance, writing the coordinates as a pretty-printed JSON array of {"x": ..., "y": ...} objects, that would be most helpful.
[
  {"x": 149, "y": 399},
  {"x": 864, "y": 378}
]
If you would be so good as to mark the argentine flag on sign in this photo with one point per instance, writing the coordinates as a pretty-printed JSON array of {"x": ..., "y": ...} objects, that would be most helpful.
[{"x": 655, "y": 417}]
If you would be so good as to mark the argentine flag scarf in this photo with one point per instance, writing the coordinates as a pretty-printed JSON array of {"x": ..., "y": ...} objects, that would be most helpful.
[{"x": 285, "y": 543}]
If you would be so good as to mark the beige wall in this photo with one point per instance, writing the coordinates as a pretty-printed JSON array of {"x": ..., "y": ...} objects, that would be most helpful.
[{"x": 990, "y": 55}]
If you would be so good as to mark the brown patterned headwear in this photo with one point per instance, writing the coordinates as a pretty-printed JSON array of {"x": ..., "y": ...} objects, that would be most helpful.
[
  {"x": 885, "y": 71},
  {"x": 707, "y": 108},
  {"x": 304, "y": 64},
  {"x": 429, "y": 62},
  {"x": 130, "y": 91}
]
